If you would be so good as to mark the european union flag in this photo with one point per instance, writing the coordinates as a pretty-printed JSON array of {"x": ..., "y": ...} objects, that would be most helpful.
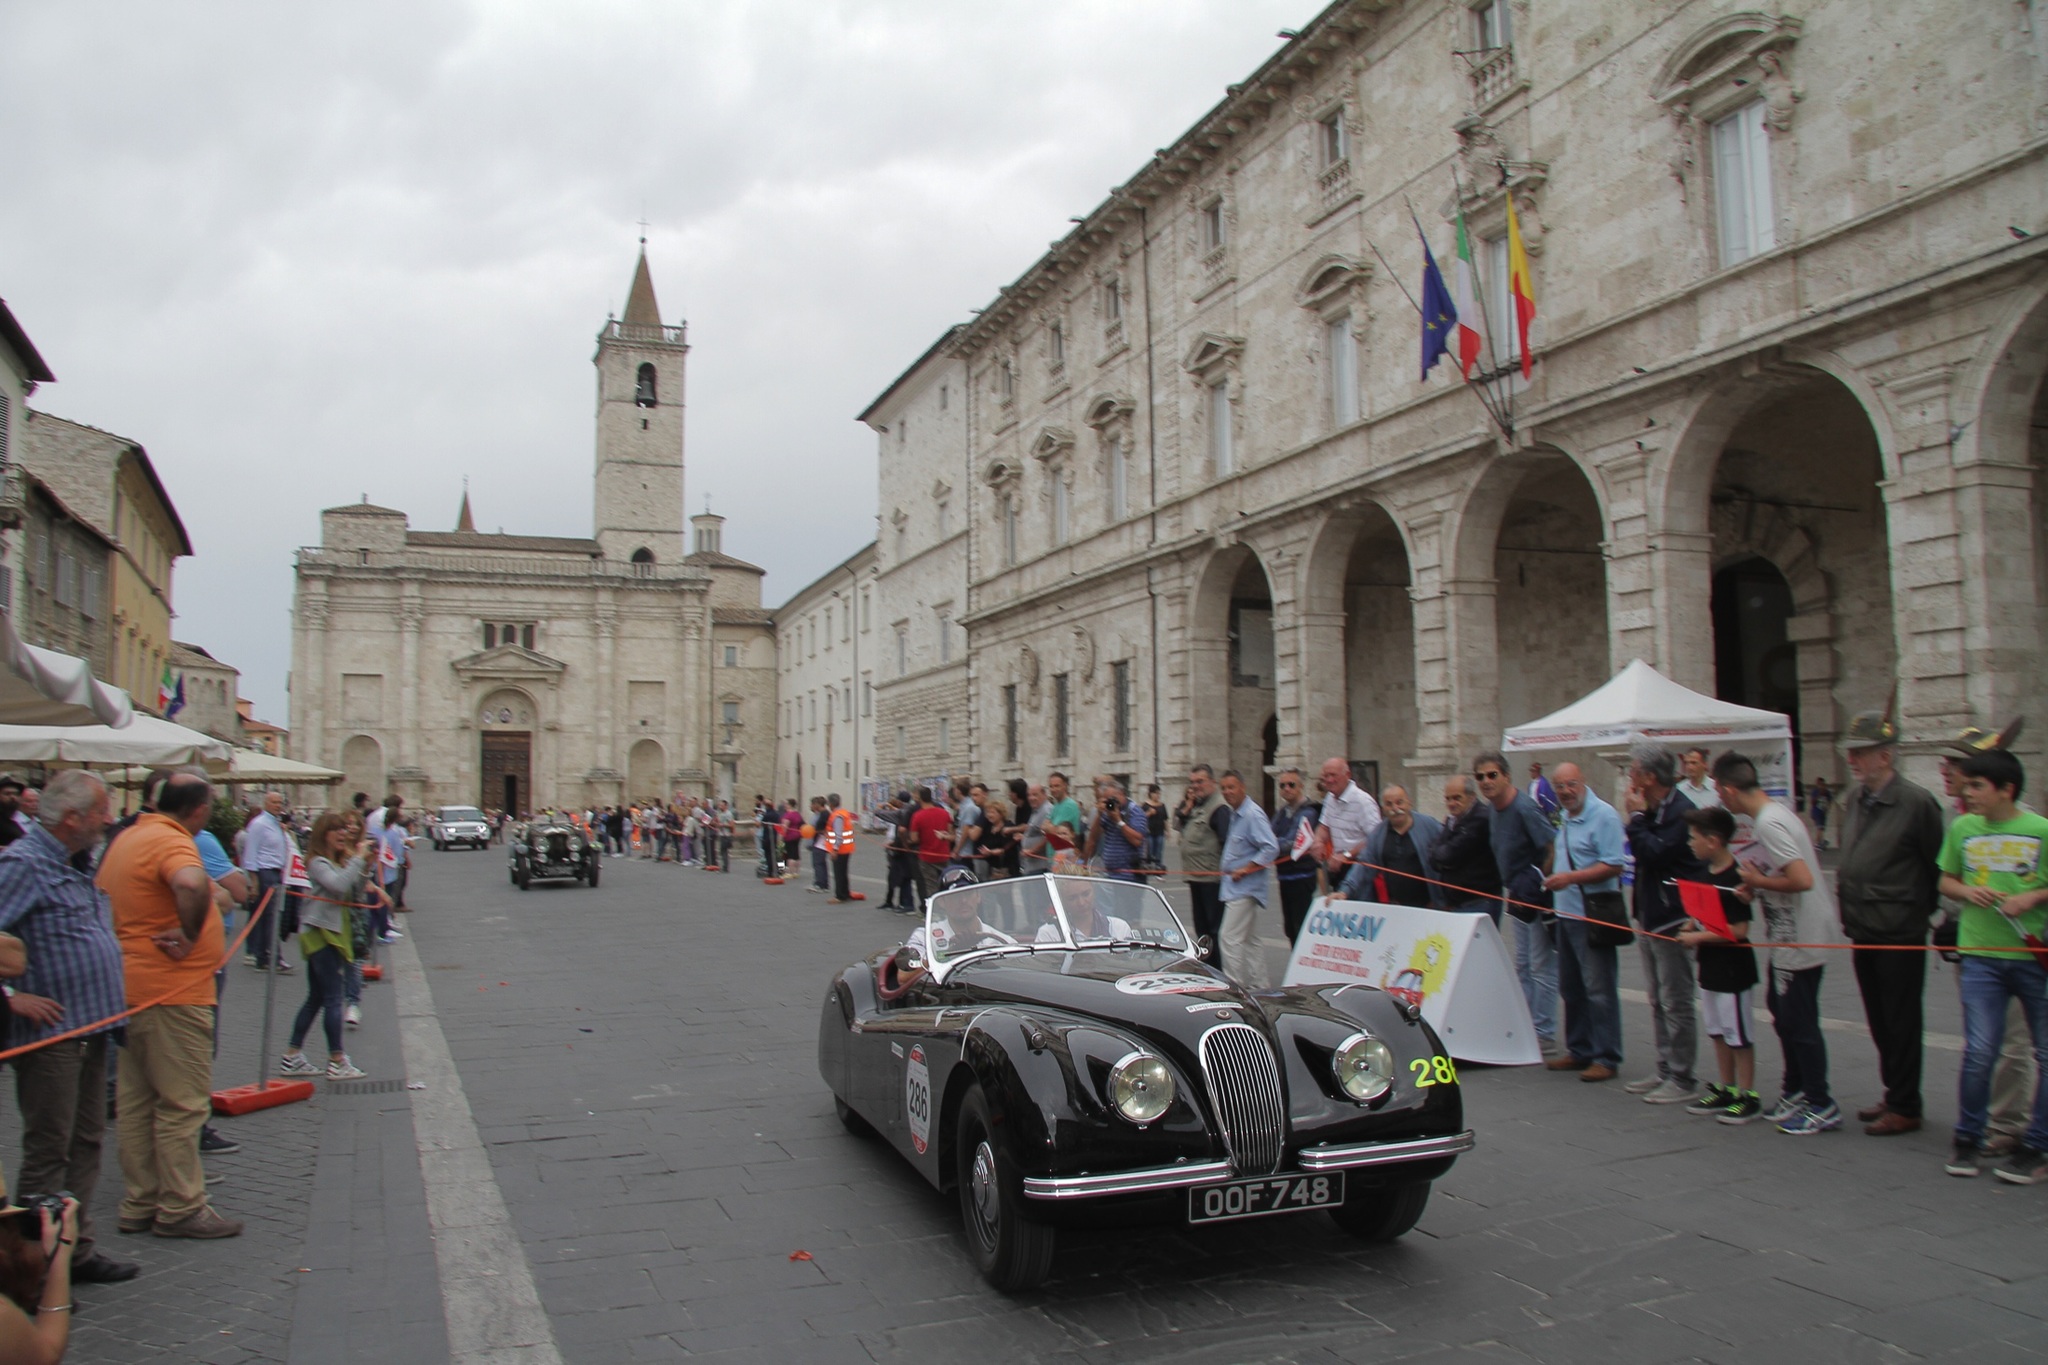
[{"x": 1439, "y": 313}]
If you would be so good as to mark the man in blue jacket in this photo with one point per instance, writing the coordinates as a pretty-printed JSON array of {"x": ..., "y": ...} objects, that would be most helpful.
[{"x": 1398, "y": 855}]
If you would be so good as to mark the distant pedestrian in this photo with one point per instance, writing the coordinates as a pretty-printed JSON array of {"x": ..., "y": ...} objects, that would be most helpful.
[
  {"x": 1294, "y": 829},
  {"x": 1463, "y": 853},
  {"x": 1154, "y": 807},
  {"x": 1780, "y": 867},
  {"x": 1204, "y": 822},
  {"x": 1542, "y": 793},
  {"x": 1992, "y": 862},
  {"x": 932, "y": 827},
  {"x": 1349, "y": 817},
  {"x": 1695, "y": 783},
  {"x": 839, "y": 847},
  {"x": 1886, "y": 881},
  {"x": 1398, "y": 867},
  {"x": 1249, "y": 850},
  {"x": 1820, "y": 800},
  {"x": 821, "y": 855},
  {"x": 1116, "y": 833},
  {"x": 1727, "y": 971},
  {"x": 341, "y": 870},
  {"x": 1585, "y": 872},
  {"x": 1659, "y": 841},
  {"x": 1033, "y": 857},
  {"x": 1521, "y": 852}
]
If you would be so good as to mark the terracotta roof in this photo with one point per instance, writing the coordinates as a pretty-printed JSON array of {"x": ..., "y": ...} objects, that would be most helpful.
[
  {"x": 484, "y": 540},
  {"x": 641, "y": 310},
  {"x": 742, "y": 616},
  {"x": 712, "y": 559}
]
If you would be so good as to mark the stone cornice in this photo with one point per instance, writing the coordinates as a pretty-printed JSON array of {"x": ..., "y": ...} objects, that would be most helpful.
[{"x": 508, "y": 661}]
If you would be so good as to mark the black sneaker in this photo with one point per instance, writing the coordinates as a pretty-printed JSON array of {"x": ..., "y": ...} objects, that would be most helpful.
[
  {"x": 213, "y": 1144},
  {"x": 2024, "y": 1167},
  {"x": 1966, "y": 1160},
  {"x": 1712, "y": 1100},
  {"x": 1744, "y": 1108}
]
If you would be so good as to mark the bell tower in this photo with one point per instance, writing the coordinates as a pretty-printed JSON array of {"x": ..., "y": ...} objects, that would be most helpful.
[{"x": 639, "y": 502}]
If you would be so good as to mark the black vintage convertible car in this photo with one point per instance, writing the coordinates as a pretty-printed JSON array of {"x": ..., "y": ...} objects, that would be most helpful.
[
  {"x": 552, "y": 850},
  {"x": 1050, "y": 1050}
]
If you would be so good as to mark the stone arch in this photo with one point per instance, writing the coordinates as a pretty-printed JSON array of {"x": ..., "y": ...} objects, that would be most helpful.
[
  {"x": 362, "y": 758},
  {"x": 1357, "y": 621},
  {"x": 645, "y": 764},
  {"x": 1785, "y": 462},
  {"x": 1231, "y": 660}
]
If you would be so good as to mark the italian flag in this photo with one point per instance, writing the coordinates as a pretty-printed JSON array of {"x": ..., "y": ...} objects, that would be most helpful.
[
  {"x": 1519, "y": 287},
  {"x": 1471, "y": 341},
  {"x": 163, "y": 690}
]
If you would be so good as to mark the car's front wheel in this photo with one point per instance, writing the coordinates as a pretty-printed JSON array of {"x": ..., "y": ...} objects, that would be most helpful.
[
  {"x": 593, "y": 874},
  {"x": 1384, "y": 1213},
  {"x": 1012, "y": 1252},
  {"x": 851, "y": 1121}
]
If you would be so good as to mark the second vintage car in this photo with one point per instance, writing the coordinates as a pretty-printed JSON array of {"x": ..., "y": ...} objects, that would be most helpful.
[
  {"x": 454, "y": 825},
  {"x": 552, "y": 850},
  {"x": 1050, "y": 1050}
]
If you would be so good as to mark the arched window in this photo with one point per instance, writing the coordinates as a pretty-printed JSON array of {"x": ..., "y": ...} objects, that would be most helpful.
[
  {"x": 643, "y": 562},
  {"x": 643, "y": 392}
]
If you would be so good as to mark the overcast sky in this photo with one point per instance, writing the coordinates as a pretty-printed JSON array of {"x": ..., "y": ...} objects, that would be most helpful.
[{"x": 307, "y": 253}]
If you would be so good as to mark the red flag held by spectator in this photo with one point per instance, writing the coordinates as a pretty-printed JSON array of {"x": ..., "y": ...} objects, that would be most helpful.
[{"x": 1702, "y": 900}]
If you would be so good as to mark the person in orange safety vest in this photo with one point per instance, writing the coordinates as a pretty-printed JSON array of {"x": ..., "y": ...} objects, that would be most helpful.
[{"x": 839, "y": 845}]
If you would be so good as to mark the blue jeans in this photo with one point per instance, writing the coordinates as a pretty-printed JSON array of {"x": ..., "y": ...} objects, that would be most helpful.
[
  {"x": 1536, "y": 969},
  {"x": 820, "y": 863},
  {"x": 325, "y": 976},
  {"x": 1986, "y": 984},
  {"x": 1592, "y": 1005}
]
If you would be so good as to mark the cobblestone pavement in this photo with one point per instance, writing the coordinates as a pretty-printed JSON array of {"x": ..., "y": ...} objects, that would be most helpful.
[{"x": 640, "y": 1063}]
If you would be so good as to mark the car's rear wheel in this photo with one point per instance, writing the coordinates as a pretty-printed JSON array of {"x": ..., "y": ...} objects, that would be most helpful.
[
  {"x": 1384, "y": 1213},
  {"x": 523, "y": 877},
  {"x": 593, "y": 874},
  {"x": 850, "y": 1121},
  {"x": 1012, "y": 1252}
]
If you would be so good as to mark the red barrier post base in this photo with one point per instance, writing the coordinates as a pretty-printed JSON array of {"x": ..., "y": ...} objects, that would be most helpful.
[
  {"x": 771, "y": 881},
  {"x": 247, "y": 1099},
  {"x": 373, "y": 972},
  {"x": 857, "y": 895}
]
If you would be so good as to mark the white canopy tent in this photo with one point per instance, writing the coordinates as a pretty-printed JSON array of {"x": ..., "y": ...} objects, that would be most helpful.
[
  {"x": 1639, "y": 703},
  {"x": 145, "y": 739},
  {"x": 42, "y": 687},
  {"x": 248, "y": 766}
]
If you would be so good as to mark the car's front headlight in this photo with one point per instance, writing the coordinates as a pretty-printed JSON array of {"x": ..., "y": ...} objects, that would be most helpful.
[
  {"x": 1364, "y": 1066},
  {"x": 1141, "y": 1087}
]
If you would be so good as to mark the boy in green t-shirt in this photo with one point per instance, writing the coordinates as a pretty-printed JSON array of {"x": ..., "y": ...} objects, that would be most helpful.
[{"x": 1991, "y": 863}]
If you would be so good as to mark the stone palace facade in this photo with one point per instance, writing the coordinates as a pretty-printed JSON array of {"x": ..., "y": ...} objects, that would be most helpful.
[
  {"x": 1177, "y": 493},
  {"x": 517, "y": 671}
]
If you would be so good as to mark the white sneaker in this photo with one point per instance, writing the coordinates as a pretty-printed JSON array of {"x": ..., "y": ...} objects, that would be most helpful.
[
  {"x": 1672, "y": 1092},
  {"x": 1643, "y": 1086},
  {"x": 295, "y": 1064},
  {"x": 352, "y": 1016},
  {"x": 392, "y": 936},
  {"x": 345, "y": 1070}
]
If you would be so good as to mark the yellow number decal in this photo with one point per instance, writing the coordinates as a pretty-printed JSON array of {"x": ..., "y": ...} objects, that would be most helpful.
[{"x": 1433, "y": 1071}]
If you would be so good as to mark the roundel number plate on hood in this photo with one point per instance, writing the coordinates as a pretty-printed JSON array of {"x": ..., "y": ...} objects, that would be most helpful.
[
  {"x": 917, "y": 1100},
  {"x": 1168, "y": 983}
]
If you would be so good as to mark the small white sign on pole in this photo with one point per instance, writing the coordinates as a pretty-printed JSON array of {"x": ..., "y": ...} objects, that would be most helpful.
[{"x": 1454, "y": 964}]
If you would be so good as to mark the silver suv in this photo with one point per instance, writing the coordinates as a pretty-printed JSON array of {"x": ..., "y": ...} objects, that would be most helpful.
[{"x": 454, "y": 825}]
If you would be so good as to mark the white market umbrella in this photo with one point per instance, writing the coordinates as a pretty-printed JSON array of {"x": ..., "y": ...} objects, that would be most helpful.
[
  {"x": 145, "y": 739},
  {"x": 42, "y": 687},
  {"x": 246, "y": 766}
]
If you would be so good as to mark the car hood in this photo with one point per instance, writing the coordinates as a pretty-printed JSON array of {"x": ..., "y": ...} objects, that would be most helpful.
[{"x": 1159, "y": 993}]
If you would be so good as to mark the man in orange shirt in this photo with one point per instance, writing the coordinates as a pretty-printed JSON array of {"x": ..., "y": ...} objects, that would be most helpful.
[{"x": 172, "y": 942}]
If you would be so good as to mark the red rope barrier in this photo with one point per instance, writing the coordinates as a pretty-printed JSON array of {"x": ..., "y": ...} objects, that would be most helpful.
[{"x": 227, "y": 955}]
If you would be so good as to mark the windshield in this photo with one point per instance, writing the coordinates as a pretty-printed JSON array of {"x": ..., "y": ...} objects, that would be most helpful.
[
  {"x": 1020, "y": 913},
  {"x": 453, "y": 813},
  {"x": 1100, "y": 911}
]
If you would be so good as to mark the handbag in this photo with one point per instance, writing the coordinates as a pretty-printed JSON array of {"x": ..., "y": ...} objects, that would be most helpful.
[{"x": 1607, "y": 920}]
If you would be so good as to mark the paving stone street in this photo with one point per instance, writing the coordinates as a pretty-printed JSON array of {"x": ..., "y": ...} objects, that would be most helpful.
[{"x": 639, "y": 1063}]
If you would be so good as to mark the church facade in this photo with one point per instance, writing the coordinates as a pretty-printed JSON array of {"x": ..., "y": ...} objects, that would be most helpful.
[{"x": 517, "y": 672}]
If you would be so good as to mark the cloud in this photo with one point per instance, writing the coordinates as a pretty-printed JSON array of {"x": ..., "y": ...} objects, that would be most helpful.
[{"x": 305, "y": 254}]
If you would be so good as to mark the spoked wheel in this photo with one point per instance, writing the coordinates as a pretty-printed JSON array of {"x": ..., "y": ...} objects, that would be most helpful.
[
  {"x": 849, "y": 1120},
  {"x": 1381, "y": 1215},
  {"x": 1012, "y": 1252}
]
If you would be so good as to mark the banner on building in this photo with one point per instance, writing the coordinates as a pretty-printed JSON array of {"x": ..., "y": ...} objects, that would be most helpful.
[{"x": 1453, "y": 964}]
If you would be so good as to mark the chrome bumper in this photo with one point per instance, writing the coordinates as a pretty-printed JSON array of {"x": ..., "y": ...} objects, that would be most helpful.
[
  {"x": 1154, "y": 1179},
  {"x": 1383, "y": 1153},
  {"x": 1148, "y": 1181}
]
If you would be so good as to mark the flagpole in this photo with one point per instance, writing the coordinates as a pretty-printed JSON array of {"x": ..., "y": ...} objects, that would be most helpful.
[
  {"x": 1504, "y": 399},
  {"x": 1487, "y": 400}
]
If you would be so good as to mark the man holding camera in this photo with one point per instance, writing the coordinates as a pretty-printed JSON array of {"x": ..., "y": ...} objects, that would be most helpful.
[{"x": 1117, "y": 833}]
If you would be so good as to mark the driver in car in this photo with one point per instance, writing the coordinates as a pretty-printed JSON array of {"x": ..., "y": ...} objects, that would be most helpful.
[
  {"x": 961, "y": 931},
  {"x": 1090, "y": 924}
]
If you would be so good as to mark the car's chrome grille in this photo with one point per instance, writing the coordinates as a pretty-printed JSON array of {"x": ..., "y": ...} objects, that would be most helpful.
[
  {"x": 558, "y": 846},
  {"x": 1244, "y": 1092}
]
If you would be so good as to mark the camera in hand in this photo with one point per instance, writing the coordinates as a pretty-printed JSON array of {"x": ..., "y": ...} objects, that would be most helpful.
[{"x": 27, "y": 1213}]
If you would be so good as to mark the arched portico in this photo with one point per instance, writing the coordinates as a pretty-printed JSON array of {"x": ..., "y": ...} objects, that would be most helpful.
[
  {"x": 1231, "y": 662},
  {"x": 1357, "y": 624}
]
